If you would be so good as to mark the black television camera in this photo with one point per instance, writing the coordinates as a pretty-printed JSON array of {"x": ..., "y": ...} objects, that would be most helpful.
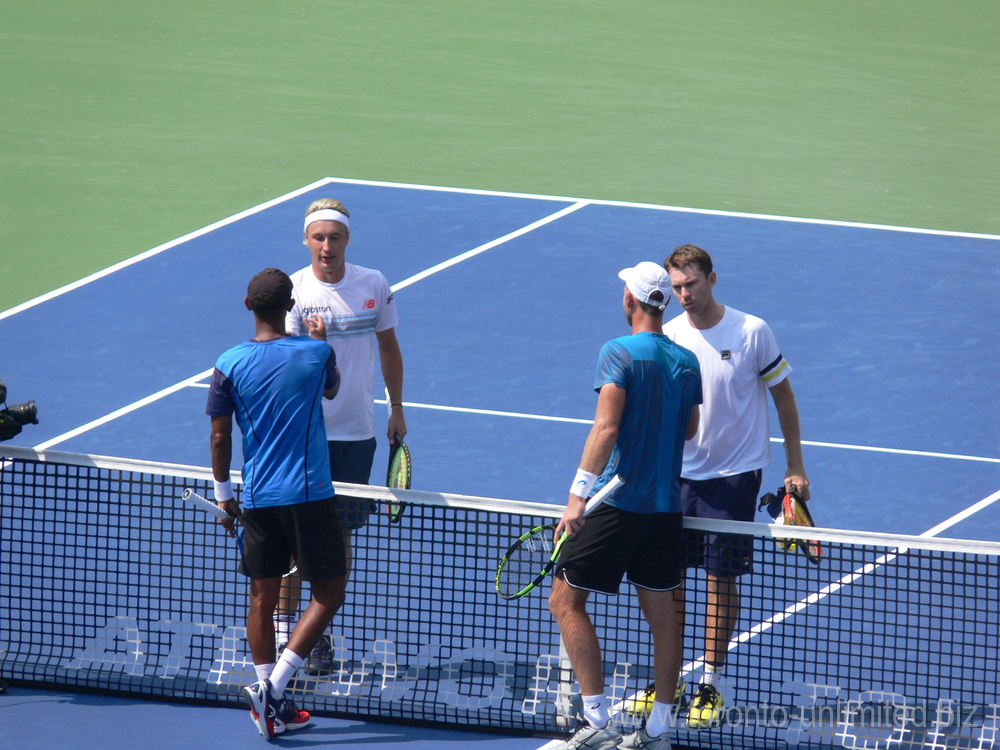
[{"x": 13, "y": 418}]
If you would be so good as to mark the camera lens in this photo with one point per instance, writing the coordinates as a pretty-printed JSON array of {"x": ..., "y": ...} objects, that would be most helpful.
[{"x": 24, "y": 413}]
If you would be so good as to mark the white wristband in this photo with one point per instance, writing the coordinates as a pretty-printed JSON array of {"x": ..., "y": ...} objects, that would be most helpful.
[
  {"x": 582, "y": 483},
  {"x": 224, "y": 491}
]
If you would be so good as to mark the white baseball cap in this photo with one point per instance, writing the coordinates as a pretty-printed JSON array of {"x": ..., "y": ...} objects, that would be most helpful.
[{"x": 646, "y": 278}]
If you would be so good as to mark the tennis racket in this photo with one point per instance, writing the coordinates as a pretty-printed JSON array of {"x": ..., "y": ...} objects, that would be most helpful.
[
  {"x": 534, "y": 554},
  {"x": 796, "y": 513},
  {"x": 399, "y": 474},
  {"x": 398, "y": 477},
  {"x": 209, "y": 507},
  {"x": 788, "y": 509}
]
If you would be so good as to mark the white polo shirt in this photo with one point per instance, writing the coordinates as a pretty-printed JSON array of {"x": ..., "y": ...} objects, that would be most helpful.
[
  {"x": 354, "y": 310},
  {"x": 739, "y": 360}
]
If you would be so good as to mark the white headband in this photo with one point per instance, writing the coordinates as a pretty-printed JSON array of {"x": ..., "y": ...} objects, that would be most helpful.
[{"x": 327, "y": 214}]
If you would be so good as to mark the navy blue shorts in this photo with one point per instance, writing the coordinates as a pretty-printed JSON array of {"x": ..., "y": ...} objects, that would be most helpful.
[
  {"x": 614, "y": 542},
  {"x": 308, "y": 533},
  {"x": 731, "y": 498},
  {"x": 351, "y": 461}
]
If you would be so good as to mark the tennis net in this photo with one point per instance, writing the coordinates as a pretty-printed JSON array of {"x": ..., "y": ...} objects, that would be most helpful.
[{"x": 111, "y": 582}]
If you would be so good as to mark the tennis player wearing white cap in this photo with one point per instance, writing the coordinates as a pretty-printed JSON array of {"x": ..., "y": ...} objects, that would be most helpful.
[{"x": 649, "y": 390}]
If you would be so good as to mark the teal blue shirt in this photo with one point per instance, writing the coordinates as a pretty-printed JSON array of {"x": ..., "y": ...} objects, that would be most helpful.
[
  {"x": 276, "y": 390},
  {"x": 662, "y": 382}
]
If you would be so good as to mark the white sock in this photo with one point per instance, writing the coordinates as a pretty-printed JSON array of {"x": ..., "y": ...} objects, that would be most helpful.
[
  {"x": 283, "y": 625},
  {"x": 263, "y": 670},
  {"x": 283, "y": 671},
  {"x": 595, "y": 710},
  {"x": 659, "y": 720}
]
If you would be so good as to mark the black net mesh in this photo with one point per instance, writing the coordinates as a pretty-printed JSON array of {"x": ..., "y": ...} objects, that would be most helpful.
[{"x": 110, "y": 581}]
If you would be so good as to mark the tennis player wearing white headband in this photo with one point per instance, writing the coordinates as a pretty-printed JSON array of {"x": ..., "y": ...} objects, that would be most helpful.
[{"x": 353, "y": 309}]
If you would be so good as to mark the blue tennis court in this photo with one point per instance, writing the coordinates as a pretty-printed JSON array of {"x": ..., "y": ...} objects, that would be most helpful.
[{"x": 504, "y": 303}]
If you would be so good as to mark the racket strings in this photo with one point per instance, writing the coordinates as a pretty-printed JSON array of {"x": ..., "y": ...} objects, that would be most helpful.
[
  {"x": 399, "y": 476},
  {"x": 400, "y": 471},
  {"x": 526, "y": 561}
]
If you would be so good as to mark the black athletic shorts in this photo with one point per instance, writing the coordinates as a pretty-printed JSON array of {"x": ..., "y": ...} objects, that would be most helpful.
[
  {"x": 308, "y": 533},
  {"x": 732, "y": 498},
  {"x": 351, "y": 461},
  {"x": 615, "y": 542}
]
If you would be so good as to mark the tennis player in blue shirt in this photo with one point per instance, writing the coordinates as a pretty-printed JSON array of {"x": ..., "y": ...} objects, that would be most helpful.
[
  {"x": 649, "y": 390},
  {"x": 275, "y": 384}
]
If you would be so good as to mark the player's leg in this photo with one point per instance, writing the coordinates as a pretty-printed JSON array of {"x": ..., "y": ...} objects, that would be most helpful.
[
  {"x": 656, "y": 574},
  {"x": 350, "y": 461},
  {"x": 725, "y": 558},
  {"x": 265, "y": 555},
  {"x": 722, "y": 611},
  {"x": 660, "y": 611},
  {"x": 260, "y": 628},
  {"x": 595, "y": 560},
  {"x": 316, "y": 539},
  {"x": 327, "y": 598},
  {"x": 569, "y": 608}
]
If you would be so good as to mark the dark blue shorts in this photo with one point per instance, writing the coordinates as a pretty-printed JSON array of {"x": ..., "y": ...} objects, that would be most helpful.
[
  {"x": 730, "y": 498},
  {"x": 351, "y": 461},
  {"x": 308, "y": 533},
  {"x": 614, "y": 542}
]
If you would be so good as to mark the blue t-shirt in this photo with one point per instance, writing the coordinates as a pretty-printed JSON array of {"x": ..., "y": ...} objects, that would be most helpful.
[
  {"x": 276, "y": 390},
  {"x": 662, "y": 382}
]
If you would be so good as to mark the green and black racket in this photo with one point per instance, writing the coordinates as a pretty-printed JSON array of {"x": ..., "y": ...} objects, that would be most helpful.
[
  {"x": 398, "y": 477},
  {"x": 787, "y": 508},
  {"x": 400, "y": 472},
  {"x": 534, "y": 554}
]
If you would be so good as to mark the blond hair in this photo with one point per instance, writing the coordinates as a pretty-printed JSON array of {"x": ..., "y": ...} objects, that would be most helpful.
[{"x": 321, "y": 203}]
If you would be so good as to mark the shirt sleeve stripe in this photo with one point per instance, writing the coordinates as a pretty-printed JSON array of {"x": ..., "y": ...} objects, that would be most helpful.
[{"x": 774, "y": 370}]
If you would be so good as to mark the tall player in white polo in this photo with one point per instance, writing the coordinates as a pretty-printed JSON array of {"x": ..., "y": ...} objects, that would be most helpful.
[
  {"x": 740, "y": 364},
  {"x": 353, "y": 308}
]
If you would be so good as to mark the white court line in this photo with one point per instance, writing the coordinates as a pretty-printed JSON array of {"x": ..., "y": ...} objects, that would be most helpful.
[
  {"x": 574, "y": 420},
  {"x": 661, "y": 207},
  {"x": 156, "y": 250},
  {"x": 490, "y": 412},
  {"x": 192, "y": 381},
  {"x": 899, "y": 451},
  {"x": 489, "y": 245},
  {"x": 844, "y": 581},
  {"x": 577, "y": 204},
  {"x": 491, "y": 193},
  {"x": 123, "y": 411}
]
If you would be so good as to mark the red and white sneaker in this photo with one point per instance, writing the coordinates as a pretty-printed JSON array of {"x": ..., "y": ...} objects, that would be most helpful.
[
  {"x": 273, "y": 716},
  {"x": 288, "y": 717}
]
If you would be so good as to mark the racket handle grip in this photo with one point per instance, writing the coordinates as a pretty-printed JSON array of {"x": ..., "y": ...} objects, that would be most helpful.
[
  {"x": 602, "y": 493},
  {"x": 206, "y": 505}
]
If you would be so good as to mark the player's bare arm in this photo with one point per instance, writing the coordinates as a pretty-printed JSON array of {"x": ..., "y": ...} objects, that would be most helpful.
[
  {"x": 391, "y": 360},
  {"x": 221, "y": 446},
  {"x": 596, "y": 451},
  {"x": 788, "y": 419}
]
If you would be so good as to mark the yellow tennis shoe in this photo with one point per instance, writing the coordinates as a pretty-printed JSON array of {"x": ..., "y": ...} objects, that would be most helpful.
[{"x": 706, "y": 708}]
